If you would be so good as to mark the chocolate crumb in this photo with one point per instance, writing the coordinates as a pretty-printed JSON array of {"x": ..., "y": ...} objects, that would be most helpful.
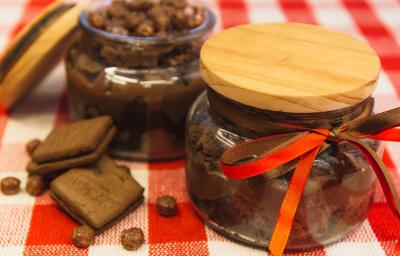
[
  {"x": 134, "y": 19},
  {"x": 179, "y": 19},
  {"x": 117, "y": 8},
  {"x": 166, "y": 206},
  {"x": 82, "y": 236},
  {"x": 35, "y": 185},
  {"x": 117, "y": 29},
  {"x": 140, "y": 5},
  {"x": 181, "y": 4},
  {"x": 132, "y": 239},
  {"x": 145, "y": 29},
  {"x": 98, "y": 19},
  {"x": 10, "y": 186}
]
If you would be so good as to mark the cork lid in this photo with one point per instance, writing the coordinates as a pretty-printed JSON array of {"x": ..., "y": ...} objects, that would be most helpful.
[
  {"x": 36, "y": 50},
  {"x": 290, "y": 67}
]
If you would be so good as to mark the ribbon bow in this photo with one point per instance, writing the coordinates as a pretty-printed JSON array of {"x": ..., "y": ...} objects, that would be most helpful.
[{"x": 297, "y": 147}]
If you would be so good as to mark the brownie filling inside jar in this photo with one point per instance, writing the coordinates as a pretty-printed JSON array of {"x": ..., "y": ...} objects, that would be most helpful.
[
  {"x": 337, "y": 196},
  {"x": 137, "y": 61}
]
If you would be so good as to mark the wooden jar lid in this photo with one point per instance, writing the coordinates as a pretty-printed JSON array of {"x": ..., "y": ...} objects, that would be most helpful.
[
  {"x": 290, "y": 67},
  {"x": 36, "y": 50}
]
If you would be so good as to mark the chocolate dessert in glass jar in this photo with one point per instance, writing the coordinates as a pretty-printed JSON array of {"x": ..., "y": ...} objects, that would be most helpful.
[
  {"x": 282, "y": 73},
  {"x": 137, "y": 61}
]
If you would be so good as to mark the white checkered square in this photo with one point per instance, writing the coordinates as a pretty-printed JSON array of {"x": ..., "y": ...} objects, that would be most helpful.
[
  {"x": 355, "y": 249},
  {"x": 15, "y": 220},
  {"x": 11, "y": 250},
  {"x": 113, "y": 250}
]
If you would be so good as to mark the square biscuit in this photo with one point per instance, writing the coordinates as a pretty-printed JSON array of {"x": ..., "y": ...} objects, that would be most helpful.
[
  {"x": 98, "y": 195},
  {"x": 75, "y": 154},
  {"x": 72, "y": 140}
]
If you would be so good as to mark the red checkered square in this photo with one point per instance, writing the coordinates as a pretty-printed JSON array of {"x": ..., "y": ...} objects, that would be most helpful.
[
  {"x": 298, "y": 11},
  {"x": 385, "y": 226},
  {"x": 233, "y": 13},
  {"x": 14, "y": 224},
  {"x": 384, "y": 223},
  {"x": 184, "y": 227},
  {"x": 50, "y": 226}
]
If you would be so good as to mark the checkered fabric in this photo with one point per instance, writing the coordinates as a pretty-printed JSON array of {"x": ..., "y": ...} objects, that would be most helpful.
[{"x": 35, "y": 226}]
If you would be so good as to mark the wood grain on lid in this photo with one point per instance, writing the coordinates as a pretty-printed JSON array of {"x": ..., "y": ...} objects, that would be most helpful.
[
  {"x": 36, "y": 50},
  {"x": 290, "y": 67}
]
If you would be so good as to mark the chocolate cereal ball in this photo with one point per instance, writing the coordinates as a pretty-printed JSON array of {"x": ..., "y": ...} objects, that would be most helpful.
[
  {"x": 82, "y": 236},
  {"x": 35, "y": 185},
  {"x": 132, "y": 239},
  {"x": 10, "y": 186},
  {"x": 166, "y": 206}
]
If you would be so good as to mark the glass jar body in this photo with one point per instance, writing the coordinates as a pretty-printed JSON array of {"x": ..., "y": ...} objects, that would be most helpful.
[
  {"x": 145, "y": 84},
  {"x": 337, "y": 196}
]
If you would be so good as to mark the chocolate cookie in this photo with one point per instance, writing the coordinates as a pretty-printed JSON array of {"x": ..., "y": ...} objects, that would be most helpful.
[
  {"x": 73, "y": 145},
  {"x": 97, "y": 196}
]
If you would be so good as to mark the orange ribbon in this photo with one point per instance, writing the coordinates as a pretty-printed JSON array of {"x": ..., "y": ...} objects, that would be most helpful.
[{"x": 267, "y": 155}]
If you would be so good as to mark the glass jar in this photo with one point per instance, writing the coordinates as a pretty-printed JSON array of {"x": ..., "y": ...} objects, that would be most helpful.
[
  {"x": 146, "y": 84},
  {"x": 336, "y": 199}
]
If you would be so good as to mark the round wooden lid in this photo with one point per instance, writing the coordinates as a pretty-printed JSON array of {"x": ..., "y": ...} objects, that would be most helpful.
[{"x": 290, "y": 67}]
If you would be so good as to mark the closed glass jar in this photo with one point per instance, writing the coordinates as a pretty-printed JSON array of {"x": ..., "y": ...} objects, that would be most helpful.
[
  {"x": 287, "y": 73},
  {"x": 146, "y": 84},
  {"x": 336, "y": 199}
]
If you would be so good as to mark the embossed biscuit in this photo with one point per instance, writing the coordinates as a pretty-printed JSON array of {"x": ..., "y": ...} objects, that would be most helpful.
[
  {"x": 73, "y": 145},
  {"x": 99, "y": 195}
]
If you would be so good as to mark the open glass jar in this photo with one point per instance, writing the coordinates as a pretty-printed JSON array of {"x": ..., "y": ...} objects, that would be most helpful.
[
  {"x": 146, "y": 84},
  {"x": 340, "y": 189}
]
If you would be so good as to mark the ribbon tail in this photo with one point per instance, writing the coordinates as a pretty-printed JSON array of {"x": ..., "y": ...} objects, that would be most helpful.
[
  {"x": 291, "y": 201},
  {"x": 392, "y": 134},
  {"x": 381, "y": 172}
]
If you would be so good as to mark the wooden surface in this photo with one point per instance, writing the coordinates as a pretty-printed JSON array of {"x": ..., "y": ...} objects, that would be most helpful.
[
  {"x": 290, "y": 67},
  {"x": 36, "y": 51}
]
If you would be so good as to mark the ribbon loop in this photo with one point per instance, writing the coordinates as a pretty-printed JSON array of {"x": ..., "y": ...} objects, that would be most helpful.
[{"x": 279, "y": 150}]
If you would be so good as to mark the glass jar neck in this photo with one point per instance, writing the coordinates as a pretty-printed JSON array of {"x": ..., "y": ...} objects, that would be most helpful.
[{"x": 327, "y": 120}]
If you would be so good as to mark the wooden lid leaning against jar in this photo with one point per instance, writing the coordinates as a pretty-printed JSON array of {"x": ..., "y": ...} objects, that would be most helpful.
[{"x": 290, "y": 67}]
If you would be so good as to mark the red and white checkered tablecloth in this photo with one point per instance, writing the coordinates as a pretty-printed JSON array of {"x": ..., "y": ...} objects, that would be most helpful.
[{"x": 34, "y": 226}]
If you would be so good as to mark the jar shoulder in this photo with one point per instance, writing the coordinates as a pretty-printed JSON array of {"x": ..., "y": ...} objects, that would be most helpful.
[{"x": 209, "y": 134}]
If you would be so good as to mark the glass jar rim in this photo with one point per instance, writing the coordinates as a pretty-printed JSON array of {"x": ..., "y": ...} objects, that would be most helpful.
[{"x": 194, "y": 33}]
